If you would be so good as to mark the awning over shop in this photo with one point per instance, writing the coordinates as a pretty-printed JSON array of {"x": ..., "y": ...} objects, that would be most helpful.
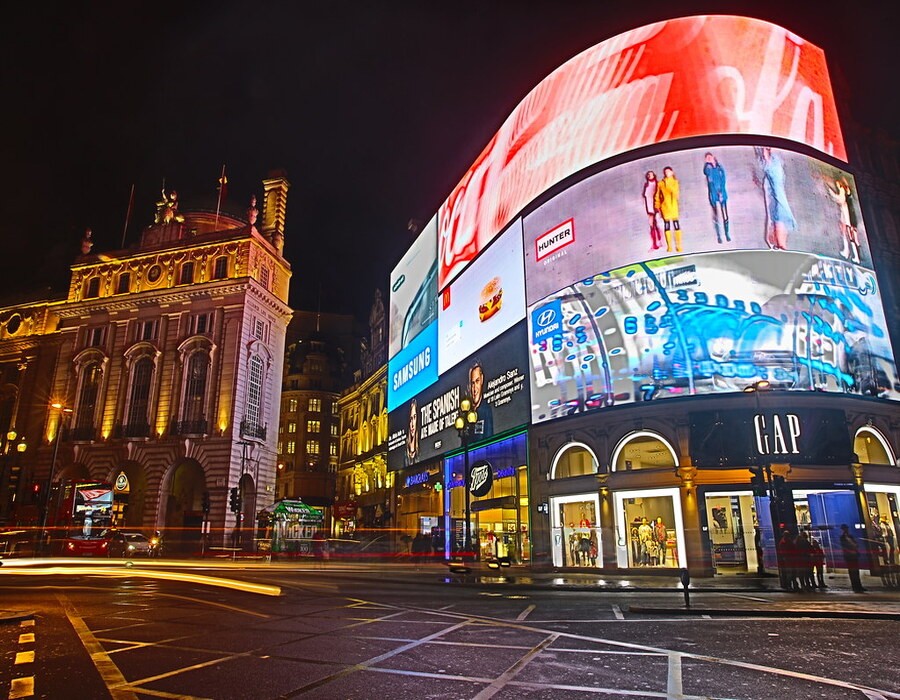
[{"x": 295, "y": 510}]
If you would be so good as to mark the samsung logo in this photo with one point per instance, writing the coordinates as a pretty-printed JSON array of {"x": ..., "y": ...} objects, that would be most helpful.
[
  {"x": 554, "y": 240},
  {"x": 412, "y": 368}
]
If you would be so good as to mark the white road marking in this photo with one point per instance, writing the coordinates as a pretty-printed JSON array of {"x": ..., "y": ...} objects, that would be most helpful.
[
  {"x": 526, "y": 612},
  {"x": 674, "y": 687},
  {"x": 617, "y": 611}
]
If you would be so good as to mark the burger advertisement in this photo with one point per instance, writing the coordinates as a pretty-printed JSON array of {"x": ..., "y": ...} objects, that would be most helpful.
[{"x": 486, "y": 300}]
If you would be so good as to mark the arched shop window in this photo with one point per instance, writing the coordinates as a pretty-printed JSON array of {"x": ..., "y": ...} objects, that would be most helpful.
[
  {"x": 871, "y": 447},
  {"x": 575, "y": 459},
  {"x": 643, "y": 450}
]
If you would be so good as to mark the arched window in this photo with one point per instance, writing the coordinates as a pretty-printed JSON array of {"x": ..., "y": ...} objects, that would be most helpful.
[
  {"x": 871, "y": 447},
  {"x": 88, "y": 395},
  {"x": 220, "y": 268},
  {"x": 192, "y": 410},
  {"x": 575, "y": 459},
  {"x": 92, "y": 289},
  {"x": 643, "y": 450},
  {"x": 187, "y": 273},
  {"x": 137, "y": 423}
]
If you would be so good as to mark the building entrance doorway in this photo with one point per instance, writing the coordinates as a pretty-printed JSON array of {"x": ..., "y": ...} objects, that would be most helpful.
[{"x": 732, "y": 528}]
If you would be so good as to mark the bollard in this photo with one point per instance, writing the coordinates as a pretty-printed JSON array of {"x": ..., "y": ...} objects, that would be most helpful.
[{"x": 685, "y": 576}]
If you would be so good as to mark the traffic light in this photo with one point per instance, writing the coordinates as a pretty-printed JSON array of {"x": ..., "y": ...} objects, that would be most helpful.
[
  {"x": 234, "y": 499},
  {"x": 206, "y": 502},
  {"x": 35, "y": 492},
  {"x": 758, "y": 481}
]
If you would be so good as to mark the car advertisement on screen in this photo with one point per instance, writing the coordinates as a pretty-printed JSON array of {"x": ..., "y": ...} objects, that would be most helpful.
[
  {"x": 486, "y": 300},
  {"x": 680, "y": 78},
  {"x": 413, "y": 298},
  {"x": 414, "y": 368},
  {"x": 699, "y": 200},
  {"x": 708, "y": 324},
  {"x": 496, "y": 381}
]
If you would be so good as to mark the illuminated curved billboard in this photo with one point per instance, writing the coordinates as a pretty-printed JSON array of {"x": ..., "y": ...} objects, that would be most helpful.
[
  {"x": 714, "y": 199},
  {"x": 709, "y": 324},
  {"x": 681, "y": 78}
]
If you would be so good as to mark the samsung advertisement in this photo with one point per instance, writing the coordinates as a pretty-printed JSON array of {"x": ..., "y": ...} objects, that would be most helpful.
[
  {"x": 707, "y": 324},
  {"x": 413, "y": 296},
  {"x": 495, "y": 379}
]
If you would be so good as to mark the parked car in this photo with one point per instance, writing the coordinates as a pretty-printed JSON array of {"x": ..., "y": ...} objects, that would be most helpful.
[{"x": 127, "y": 543}]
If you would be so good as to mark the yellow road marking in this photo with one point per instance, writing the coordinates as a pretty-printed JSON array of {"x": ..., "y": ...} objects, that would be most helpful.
[
  {"x": 21, "y": 688},
  {"x": 26, "y": 638},
  {"x": 27, "y": 623},
  {"x": 109, "y": 672},
  {"x": 24, "y": 657}
]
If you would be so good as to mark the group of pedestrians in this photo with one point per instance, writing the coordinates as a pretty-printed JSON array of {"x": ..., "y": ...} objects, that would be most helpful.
[{"x": 801, "y": 562}]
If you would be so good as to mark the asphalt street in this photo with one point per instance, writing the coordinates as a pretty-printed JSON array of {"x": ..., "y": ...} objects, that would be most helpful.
[{"x": 352, "y": 631}]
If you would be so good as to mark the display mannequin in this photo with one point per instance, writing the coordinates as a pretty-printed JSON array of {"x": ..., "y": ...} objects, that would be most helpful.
[{"x": 659, "y": 532}]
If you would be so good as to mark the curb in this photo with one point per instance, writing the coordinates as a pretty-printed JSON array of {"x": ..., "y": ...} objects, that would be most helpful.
[
  {"x": 718, "y": 612},
  {"x": 15, "y": 616}
]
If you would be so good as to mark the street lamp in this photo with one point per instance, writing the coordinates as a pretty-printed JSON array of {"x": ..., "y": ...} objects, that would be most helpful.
[
  {"x": 64, "y": 411},
  {"x": 465, "y": 426}
]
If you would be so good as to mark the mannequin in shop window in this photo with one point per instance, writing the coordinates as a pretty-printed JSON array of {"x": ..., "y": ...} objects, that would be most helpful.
[
  {"x": 574, "y": 550},
  {"x": 584, "y": 547},
  {"x": 659, "y": 533},
  {"x": 887, "y": 539},
  {"x": 645, "y": 535},
  {"x": 635, "y": 542},
  {"x": 584, "y": 522}
]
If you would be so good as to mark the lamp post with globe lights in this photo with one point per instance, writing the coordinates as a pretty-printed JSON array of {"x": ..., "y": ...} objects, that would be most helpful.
[{"x": 466, "y": 418}]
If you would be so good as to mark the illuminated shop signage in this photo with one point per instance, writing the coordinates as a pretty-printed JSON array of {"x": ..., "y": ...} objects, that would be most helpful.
[
  {"x": 481, "y": 478},
  {"x": 496, "y": 379},
  {"x": 725, "y": 201},
  {"x": 420, "y": 478},
  {"x": 505, "y": 457},
  {"x": 711, "y": 324},
  {"x": 680, "y": 78},
  {"x": 777, "y": 434},
  {"x": 744, "y": 437}
]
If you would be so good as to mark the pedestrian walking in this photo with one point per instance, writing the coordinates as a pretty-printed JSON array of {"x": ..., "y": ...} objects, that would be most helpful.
[
  {"x": 804, "y": 562},
  {"x": 850, "y": 550},
  {"x": 787, "y": 556},
  {"x": 818, "y": 562}
]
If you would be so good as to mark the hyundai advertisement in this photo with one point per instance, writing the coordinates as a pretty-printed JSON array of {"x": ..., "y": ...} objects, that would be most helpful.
[{"x": 707, "y": 324}]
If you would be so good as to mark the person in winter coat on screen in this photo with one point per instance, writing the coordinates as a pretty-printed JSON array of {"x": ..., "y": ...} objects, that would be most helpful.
[{"x": 667, "y": 193}]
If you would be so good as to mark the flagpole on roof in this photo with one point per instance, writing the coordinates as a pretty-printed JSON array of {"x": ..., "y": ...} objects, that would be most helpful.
[
  {"x": 128, "y": 214},
  {"x": 222, "y": 182}
]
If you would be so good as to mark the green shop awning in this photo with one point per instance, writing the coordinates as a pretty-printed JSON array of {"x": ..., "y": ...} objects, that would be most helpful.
[{"x": 296, "y": 510}]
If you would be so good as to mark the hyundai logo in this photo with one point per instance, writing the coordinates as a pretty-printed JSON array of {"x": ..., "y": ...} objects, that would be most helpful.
[{"x": 546, "y": 317}]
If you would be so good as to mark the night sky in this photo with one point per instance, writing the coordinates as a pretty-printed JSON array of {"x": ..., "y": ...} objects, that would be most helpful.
[{"x": 374, "y": 109}]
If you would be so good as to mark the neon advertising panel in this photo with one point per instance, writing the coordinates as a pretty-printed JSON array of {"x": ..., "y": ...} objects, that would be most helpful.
[
  {"x": 496, "y": 381},
  {"x": 414, "y": 290},
  {"x": 713, "y": 199},
  {"x": 680, "y": 78},
  {"x": 708, "y": 324},
  {"x": 487, "y": 299}
]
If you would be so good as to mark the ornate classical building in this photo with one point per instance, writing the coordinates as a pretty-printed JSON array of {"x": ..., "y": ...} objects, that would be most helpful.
[{"x": 166, "y": 361}]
